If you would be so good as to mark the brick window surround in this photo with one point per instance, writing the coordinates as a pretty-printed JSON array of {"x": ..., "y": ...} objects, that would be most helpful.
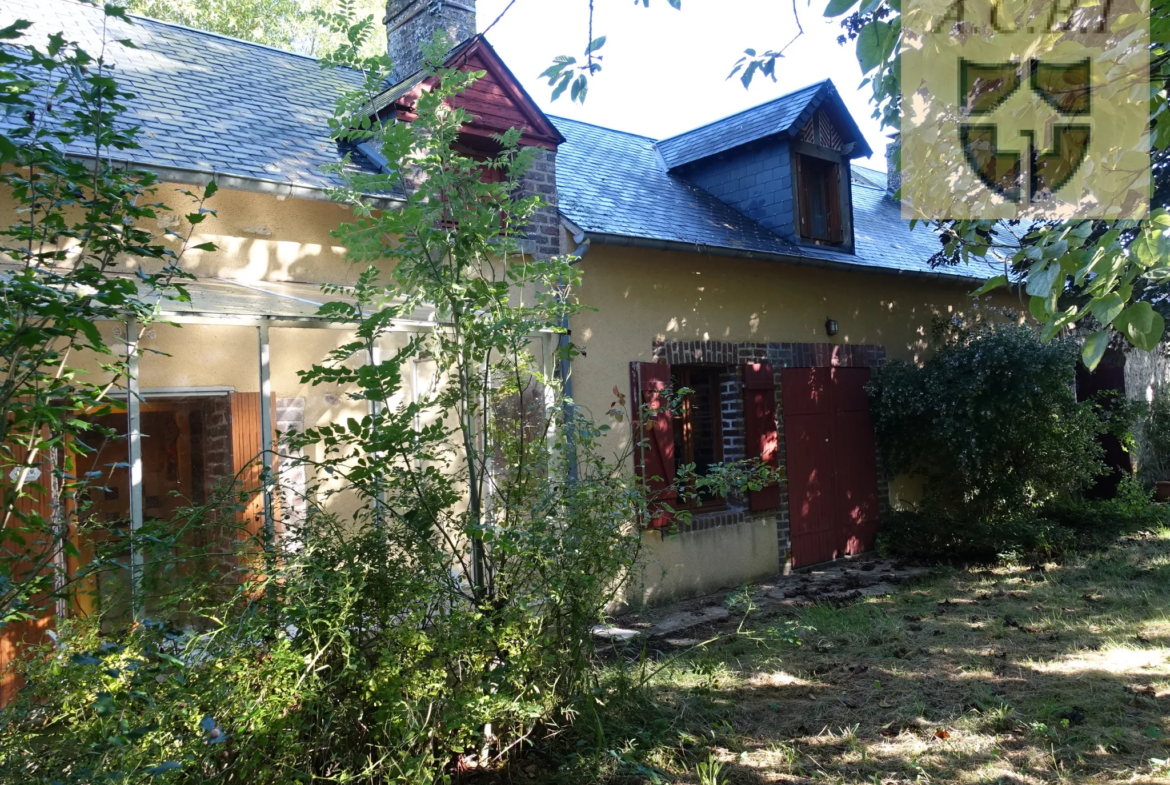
[{"x": 731, "y": 357}]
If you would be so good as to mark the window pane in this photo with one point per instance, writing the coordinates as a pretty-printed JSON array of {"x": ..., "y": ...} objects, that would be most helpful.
[
  {"x": 186, "y": 453},
  {"x": 697, "y": 428},
  {"x": 818, "y": 197}
]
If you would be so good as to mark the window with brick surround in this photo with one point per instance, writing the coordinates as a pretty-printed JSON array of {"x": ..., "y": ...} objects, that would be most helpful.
[
  {"x": 819, "y": 199},
  {"x": 698, "y": 434}
]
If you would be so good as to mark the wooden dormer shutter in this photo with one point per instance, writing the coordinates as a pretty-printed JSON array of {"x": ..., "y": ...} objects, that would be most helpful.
[
  {"x": 654, "y": 439},
  {"x": 802, "y": 200},
  {"x": 763, "y": 439},
  {"x": 833, "y": 199}
]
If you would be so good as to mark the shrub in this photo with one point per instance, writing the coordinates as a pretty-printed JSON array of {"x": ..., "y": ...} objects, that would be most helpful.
[
  {"x": 991, "y": 422},
  {"x": 933, "y": 533},
  {"x": 1154, "y": 463}
]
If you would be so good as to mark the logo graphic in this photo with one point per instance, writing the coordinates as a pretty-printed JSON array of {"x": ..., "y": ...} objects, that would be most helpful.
[
  {"x": 984, "y": 88},
  {"x": 1029, "y": 109}
]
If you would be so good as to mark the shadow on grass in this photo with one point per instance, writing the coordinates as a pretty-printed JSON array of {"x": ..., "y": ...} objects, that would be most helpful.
[{"x": 976, "y": 676}]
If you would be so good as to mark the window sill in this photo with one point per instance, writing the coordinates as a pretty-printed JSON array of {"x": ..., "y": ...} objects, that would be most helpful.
[{"x": 711, "y": 519}]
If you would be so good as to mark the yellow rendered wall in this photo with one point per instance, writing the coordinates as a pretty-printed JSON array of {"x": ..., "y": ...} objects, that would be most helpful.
[
  {"x": 675, "y": 566},
  {"x": 644, "y": 295},
  {"x": 258, "y": 236}
]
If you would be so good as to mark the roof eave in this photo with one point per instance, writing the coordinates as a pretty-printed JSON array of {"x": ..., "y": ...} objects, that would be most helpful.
[
  {"x": 630, "y": 241},
  {"x": 237, "y": 182}
]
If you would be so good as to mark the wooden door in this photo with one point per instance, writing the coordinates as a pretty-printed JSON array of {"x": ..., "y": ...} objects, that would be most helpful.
[
  {"x": 855, "y": 456},
  {"x": 807, "y": 434},
  {"x": 832, "y": 464}
]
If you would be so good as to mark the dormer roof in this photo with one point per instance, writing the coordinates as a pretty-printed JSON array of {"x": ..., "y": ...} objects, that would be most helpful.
[
  {"x": 784, "y": 117},
  {"x": 495, "y": 103}
]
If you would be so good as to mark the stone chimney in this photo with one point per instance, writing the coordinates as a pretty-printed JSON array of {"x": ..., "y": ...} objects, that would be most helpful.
[
  {"x": 894, "y": 166},
  {"x": 410, "y": 23}
]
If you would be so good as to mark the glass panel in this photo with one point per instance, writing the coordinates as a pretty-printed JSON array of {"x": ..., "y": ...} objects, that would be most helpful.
[
  {"x": 186, "y": 453},
  {"x": 697, "y": 429},
  {"x": 816, "y": 173}
]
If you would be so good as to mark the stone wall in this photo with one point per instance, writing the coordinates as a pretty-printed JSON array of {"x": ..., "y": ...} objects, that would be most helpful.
[{"x": 410, "y": 23}]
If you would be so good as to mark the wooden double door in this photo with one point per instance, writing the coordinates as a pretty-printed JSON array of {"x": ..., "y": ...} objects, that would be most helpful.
[{"x": 832, "y": 463}]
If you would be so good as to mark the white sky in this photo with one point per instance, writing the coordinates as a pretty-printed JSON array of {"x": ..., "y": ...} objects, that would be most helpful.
[{"x": 665, "y": 70}]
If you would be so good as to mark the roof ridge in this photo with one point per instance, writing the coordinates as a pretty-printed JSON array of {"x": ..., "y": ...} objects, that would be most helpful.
[
  {"x": 177, "y": 26},
  {"x": 556, "y": 118},
  {"x": 725, "y": 118}
]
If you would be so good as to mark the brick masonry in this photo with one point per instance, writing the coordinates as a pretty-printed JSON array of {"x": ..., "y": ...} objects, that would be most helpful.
[
  {"x": 732, "y": 356},
  {"x": 544, "y": 233}
]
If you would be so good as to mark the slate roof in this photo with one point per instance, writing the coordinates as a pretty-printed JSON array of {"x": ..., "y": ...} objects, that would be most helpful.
[
  {"x": 212, "y": 104},
  {"x": 207, "y": 102},
  {"x": 614, "y": 183},
  {"x": 784, "y": 115}
]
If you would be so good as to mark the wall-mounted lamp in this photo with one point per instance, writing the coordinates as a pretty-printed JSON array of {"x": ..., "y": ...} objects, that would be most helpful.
[{"x": 831, "y": 326}]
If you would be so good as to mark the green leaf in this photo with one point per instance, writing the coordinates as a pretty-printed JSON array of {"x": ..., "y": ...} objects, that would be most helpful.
[
  {"x": 993, "y": 283},
  {"x": 595, "y": 44},
  {"x": 14, "y": 30},
  {"x": 163, "y": 768},
  {"x": 210, "y": 189},
  {"x": 1106, "y": 308},
  {"x": 838, "y": 7},
  {"x": 871, "y": 45},
  {"x": 564, "y": 84},
  {"x": 1042, "y": 278},
  {"x": 1142, "y": 325},
  {"x": 1094, "y": 349},
  {"x": 8, "y": 150},
  {"x": 1038, "y": 307}
]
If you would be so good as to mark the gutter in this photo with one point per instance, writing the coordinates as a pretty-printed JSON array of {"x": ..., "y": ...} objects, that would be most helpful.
[
  {"x": 238, "y": 182},
  {"x": 603, "y": 238}
]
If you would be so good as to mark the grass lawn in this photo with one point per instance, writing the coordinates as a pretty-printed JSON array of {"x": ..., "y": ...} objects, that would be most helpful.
[{"x": 983, "y": 675}]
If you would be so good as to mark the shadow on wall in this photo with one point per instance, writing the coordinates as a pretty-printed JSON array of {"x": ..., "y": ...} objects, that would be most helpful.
[
  {"x": 703, "y": 298},
  {"x": 259, "y": 237}
]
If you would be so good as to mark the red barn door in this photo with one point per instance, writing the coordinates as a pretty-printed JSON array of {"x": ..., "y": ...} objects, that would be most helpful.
[
  {"x": 832, "y": 472},
  {"x": 856, "y": 460}
]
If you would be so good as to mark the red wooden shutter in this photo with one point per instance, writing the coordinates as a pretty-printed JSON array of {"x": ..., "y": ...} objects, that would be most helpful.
[
  {"x": 654, "y": 438},
  {"x": 759, "y": 405},
  {"x": 35, "y": 502}
]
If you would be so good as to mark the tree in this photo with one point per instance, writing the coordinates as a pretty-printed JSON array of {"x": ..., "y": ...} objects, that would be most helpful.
[
  {"x": 78, "y": 219},
  {"x": 293, "y": 25}
]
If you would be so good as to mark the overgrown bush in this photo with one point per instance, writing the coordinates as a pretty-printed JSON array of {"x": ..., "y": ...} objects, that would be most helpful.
[
  {"x": 992, "y": 425},
  {"x": 990, "y": 422},
  {"x": 443, "y": 623},
  {"x": 1154, "y": 456},
  {"x": 1059, "y": 528}
]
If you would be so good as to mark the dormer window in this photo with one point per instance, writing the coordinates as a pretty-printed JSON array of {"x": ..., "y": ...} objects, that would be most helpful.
[{"x": 820, "y": 204}]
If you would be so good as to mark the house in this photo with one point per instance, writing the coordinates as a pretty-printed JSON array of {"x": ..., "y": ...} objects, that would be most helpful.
[{"x": 749, "y": 259}]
